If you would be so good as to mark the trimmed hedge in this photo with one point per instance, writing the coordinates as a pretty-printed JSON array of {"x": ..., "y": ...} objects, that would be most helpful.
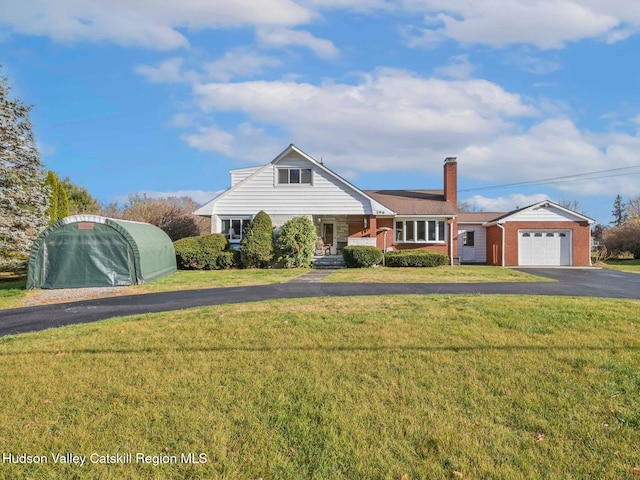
[
  {"x": 205, "y": 253},
  {"x": 357, "y": 256},
  {"x": 416, "y": 258}
]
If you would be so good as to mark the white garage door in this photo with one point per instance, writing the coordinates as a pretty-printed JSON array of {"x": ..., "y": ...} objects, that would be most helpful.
[{"x": 544, "y": 247}]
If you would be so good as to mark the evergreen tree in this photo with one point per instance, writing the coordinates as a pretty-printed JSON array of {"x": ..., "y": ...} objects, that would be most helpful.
[
  {"x": 80, "y": 200},
  {"x": 52, "y": 186},
  {"x": 63, "y": 201},
  {"x": 23, "y": 196},
  {"x": 619, "y": 212},
  {"x": 256, "y": 248},
  {"x": 58, "y": 199}
]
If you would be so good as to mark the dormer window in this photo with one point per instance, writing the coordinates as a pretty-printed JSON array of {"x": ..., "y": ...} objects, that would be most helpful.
[{"x": 294, "y": 176}]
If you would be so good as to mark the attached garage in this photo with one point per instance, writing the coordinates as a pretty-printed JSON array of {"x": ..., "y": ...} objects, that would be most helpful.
[
  {"x": 543, "y": 234},
  {"x": 92, "y": 251},
  {"x": 544, "y": 247}
]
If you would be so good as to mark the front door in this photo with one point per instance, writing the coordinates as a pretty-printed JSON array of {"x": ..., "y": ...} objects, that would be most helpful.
[
  {"x": 327, "y": 236},
  {"x": 469, "y": 246}
]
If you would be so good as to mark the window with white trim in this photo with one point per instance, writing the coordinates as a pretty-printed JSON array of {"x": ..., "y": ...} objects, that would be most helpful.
[
  {"x": 294, "y": 176},
  {"x": 420, "y": 231},
  {"x": 234, "y": 228}
]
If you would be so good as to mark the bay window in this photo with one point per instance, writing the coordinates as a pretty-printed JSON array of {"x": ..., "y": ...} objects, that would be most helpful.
[{"x": 420, "y": 231}]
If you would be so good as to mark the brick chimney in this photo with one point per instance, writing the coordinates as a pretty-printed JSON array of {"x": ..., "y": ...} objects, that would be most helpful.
[{"x": 451, "y": 181}]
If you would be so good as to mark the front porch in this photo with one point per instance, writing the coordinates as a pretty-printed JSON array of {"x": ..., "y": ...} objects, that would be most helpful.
[{"x": 338, "y": 231}]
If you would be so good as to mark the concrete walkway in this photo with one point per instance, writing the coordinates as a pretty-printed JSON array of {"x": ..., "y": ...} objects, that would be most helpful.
[{"x": 313, "y": 276}]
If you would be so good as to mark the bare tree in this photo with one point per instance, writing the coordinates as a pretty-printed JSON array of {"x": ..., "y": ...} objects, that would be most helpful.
[
  {"x": 171, "y": 214},
  {"x": 573, "y": 205},
  {"x": 633, "y": 208},
  {"x": 469, "y": 207}
]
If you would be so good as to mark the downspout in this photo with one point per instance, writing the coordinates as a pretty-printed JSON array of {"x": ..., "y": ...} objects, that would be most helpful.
[
  {"x": 590, "y": 246},
  {"x": 503, "y": 241},
  {"x": 451, "y": 243}
]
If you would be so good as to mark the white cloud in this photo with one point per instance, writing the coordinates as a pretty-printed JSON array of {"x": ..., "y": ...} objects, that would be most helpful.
[
  {"x": 459, "y": 68},
  {"x": 169, "y": 71},
  {"x": 392, "y": 120},
  {"x": 282, "y": 37},
  {"x": 211, "y": 139},
  {"x": 144, "y": 23},
  {"x": 248, "y": 143},
  {"x": 388, "y": 114},
  {"x": 544, "y": 23},
  {"x": 240, "y": 62},
  {"x": 533, "y": 64},
  {"x": 506, "y": 203}
]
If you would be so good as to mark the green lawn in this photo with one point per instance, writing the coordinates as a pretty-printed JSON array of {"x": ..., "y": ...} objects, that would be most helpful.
[
  {"x": 623, "y": 265},
  {"x": 356, "y": 388},
  {"x": 197, "y": 279},
  {"x": 457, "y": 274}
]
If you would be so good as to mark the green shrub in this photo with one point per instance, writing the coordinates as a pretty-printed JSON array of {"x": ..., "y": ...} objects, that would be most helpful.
[
  {"x": 416, "y": 258},
  {"x": 361, "y": 256},
  {"x": 215, "y": 242},
  {"x": 204, "y": 253},
  {"x": 228, "y": 260},
  {"x": 256, "y": 248},
  {"x": 297, "y": 242}
]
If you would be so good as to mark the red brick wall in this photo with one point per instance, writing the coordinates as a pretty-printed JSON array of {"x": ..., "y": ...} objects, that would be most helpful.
[
  {"x": 580, "y": 238},
  {"x": 382, "y": 223},
  {"x": 494, "y": 246}
]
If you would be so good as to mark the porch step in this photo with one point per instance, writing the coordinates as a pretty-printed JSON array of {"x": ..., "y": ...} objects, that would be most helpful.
[{"x": 328, "y": 262}]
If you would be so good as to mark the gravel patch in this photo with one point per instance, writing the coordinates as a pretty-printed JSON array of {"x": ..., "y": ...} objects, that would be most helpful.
[{"x": 44, "y": 297}]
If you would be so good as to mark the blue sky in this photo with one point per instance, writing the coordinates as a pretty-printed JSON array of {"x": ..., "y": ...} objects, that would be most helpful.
[{"x": 133, "y": 97}]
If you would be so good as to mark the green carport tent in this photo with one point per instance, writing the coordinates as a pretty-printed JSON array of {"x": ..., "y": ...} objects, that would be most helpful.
[{"x": 91, "y": 251}]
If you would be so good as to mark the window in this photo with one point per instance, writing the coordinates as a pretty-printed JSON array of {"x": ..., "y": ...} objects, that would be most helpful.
[
  {"x": 469, "y": 239},
  {"x": 294, "y": 176},
  {"x": 420, "y": 231},
  {"x": 234, "y": 228},
  {"x": 399, "y": 232}
]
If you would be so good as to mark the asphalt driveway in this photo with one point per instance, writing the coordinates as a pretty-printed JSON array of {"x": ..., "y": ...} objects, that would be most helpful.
[{"x": 570, "y": 282}]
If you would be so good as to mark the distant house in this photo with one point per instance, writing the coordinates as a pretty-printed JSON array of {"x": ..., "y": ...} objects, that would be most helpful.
[{"x": 294, "y": 184}]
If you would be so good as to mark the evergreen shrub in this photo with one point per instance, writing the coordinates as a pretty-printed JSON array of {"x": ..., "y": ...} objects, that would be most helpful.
[
  {"x": 256, "y": 248},
  {"x": 357, "y": 256},
  {"x": 297, "y": 242},
  {"x": 207, "y": 252},
  {"x": 416, "y": 258}
]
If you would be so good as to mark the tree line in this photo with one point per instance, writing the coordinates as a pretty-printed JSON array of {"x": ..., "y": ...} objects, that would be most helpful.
[{"x": 623, "y": 237}]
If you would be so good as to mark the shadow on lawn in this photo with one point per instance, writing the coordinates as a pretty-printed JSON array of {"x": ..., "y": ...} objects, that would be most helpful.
[{"x": 307, "y": 348}]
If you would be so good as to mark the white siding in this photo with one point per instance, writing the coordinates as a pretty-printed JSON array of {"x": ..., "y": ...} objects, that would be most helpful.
[
  {"x": 260, "y": 191},
  {"x": 542, "y": 214},
  {"x": 240, "y": 174},
  {"x": 479, "y": 252}
]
